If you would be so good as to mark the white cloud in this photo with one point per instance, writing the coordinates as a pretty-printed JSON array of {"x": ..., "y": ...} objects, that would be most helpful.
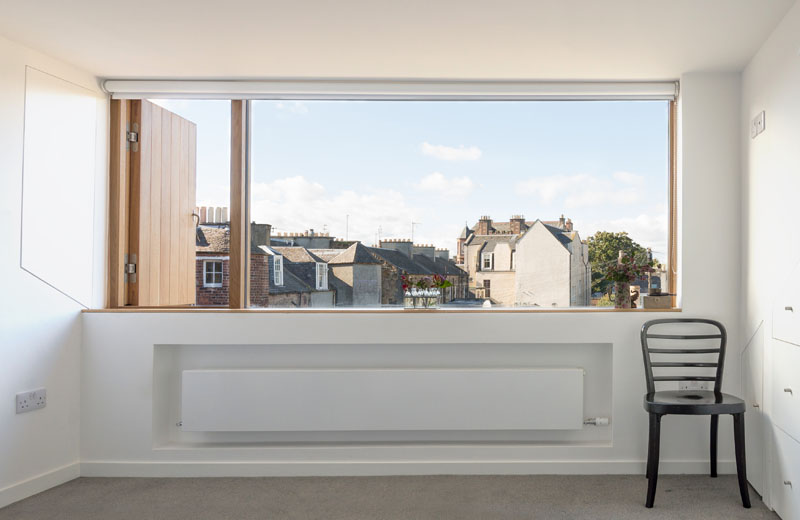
[
  {"x": 584, "y": 190},
  {"x": 649, "y": 230},
  {"x": 446, "y": 186},
  {"x": 628, "y": 178},
  {"x": 296, "y": 204},
  {"x": 450, "y": 153},
  {"x": 295, "y": 107}
]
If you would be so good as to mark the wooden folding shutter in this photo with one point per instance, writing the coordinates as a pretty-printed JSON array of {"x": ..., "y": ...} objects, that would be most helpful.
[{"x": 161, "y": 238}]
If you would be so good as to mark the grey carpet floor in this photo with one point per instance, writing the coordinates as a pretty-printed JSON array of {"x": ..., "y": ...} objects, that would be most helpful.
[{"x": 618, "y": 497}]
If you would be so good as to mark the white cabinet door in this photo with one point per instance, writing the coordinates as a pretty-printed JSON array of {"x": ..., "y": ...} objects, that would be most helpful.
[
  {"x": 753, "y": 385},
  {"x": 786, "y": 320},
  {"x": 786, "y": 388},
  {"x": 786, "y": 311},
  {"x": 786, "y": 476}
]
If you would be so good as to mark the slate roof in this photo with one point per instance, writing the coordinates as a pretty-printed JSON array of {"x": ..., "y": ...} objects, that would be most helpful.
[
  {"x": 439, "y": 266},
  {"x": 213, "y": 240},
  {"x": 298, "y": 254},
  {"x": 491, "y": 241},
  {"x": 505, "y": 227},
  {"x": 465, "y": 232},
  {"x": 399, "y": 260},
  {"x": 305, "y": 271},
  {"x": 326, "y": 254},
  {"x": 291, "y": 283},
  {"x": 217, "y": 240},
  {"x": 355, "y": 254},
  {"x": 559, "y": 233}
]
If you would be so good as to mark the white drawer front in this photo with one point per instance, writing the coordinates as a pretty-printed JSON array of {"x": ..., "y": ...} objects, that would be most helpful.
[
  {"x": 786, "y": 476},
  {"x": 786, "y": 388},
  {"x": 786, "y": 319}
]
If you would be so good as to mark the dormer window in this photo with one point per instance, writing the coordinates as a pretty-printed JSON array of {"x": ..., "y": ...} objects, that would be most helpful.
[
  {"x": 487, "y": 261},
  {"x": 277, "y": 270},
  {"x": 322, "y": 276}
]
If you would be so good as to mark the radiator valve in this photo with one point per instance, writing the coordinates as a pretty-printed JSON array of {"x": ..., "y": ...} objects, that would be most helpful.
[{"x": 597, "y": 421}]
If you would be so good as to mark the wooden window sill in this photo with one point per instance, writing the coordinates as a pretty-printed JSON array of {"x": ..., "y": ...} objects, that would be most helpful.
[{"x": 369, "y": 311}]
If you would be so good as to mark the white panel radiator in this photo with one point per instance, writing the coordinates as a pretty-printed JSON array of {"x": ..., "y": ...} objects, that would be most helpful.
[{"x": 382, "y": 399}]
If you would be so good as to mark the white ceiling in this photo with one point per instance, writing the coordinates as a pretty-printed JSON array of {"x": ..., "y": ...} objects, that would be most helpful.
[{"x": 509, "y": 39}]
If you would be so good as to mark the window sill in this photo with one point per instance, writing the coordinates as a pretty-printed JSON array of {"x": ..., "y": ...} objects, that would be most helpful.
[{"x": 219, "y": 310}]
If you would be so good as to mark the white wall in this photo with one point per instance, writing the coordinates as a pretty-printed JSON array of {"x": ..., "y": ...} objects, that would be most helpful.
[
  {"x": 125, "y": 374},
  {"x": 771, "y": 162},
  {"x": 770, "y": 209},
  {"x": 40, "y": 328}
]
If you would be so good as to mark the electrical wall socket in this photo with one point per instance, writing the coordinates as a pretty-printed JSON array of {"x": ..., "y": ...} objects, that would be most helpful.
[
  {"x": 757, "y": 125},
  {"x": 33, "y": 400},
  {"x": 693, "y": 385}
]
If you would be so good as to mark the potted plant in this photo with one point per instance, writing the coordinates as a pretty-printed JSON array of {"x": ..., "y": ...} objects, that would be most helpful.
[
  {"x": 425, "y": 292},
  {"x": 626, "y": 270}
]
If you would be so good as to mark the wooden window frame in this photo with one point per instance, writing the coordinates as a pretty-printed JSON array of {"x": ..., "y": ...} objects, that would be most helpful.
[
  {"x": 119, "y": 199},
  {"x": 672, "y": 237},
  {"x": 239, "y": 263}
]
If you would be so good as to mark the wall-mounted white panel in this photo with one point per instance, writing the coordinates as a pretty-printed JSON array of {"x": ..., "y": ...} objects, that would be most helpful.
[
  {"x": 58, "y": 183},
  {"x": 382, "y": 399}
]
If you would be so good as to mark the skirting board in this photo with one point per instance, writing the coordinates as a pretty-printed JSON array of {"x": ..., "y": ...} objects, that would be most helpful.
[
  {"x": 39, "y": 483},
  {"x": 383, "y": 468}
]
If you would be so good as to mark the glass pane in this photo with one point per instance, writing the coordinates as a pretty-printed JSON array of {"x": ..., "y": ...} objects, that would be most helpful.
[
  {"x": 383, "y": 190},
  {"x": 213, "y": 120}
]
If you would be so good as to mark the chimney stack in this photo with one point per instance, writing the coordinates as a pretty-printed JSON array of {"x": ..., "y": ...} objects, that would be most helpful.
[
  {"x": 517, "y": 223},
  {"x": 397, "y": 244},
  {"x": 561, "y": 222},
  {"x": 260, "y": 234},
  {"x": 424, "y": 250},
  {"x": 484, "y": 225}
]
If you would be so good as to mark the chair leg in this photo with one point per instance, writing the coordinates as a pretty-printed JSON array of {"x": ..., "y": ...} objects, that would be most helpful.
[
  {"x": 714, "y": 428},
  {"x": 649, "y": 467},
  {"x": 655, "y": 446},
  {"x": 741, "y": 469}
]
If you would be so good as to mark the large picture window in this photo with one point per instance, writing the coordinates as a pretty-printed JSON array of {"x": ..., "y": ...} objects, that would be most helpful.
[{"x": 353, "y": 203}]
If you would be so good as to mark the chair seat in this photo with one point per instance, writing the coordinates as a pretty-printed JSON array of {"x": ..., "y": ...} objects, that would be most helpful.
[{"x": 692, "y": 402}]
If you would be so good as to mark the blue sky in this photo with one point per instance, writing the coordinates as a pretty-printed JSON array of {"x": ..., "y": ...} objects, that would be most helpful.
[{"x": 441, "y": 164}]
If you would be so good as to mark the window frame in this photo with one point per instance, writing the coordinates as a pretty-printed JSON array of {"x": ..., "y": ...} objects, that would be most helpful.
[
  {"x": 239, "y": 260},
  {"x": 322, "y": 283},
  {"x": 277, "y": 268},
  {"x": 213, "y": 273},
  {"x": 484, "y": 258}
]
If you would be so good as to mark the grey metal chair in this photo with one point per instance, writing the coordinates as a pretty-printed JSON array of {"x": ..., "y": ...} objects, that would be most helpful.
[{"x": 689, "y": 402}]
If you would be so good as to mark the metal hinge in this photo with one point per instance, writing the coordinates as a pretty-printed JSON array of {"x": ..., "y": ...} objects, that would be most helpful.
[
  {"x": 130, "y": 269},
  {"x": 132, "y": 137}
]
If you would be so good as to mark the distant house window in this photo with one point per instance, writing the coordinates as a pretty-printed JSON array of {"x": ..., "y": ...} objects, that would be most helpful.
[
  {"x": 512, "y": 260},
  {"x": 322, "y": 276},
  {"x": 277, "y": 275},
  {"x": 212, "y": 273},
  {"x": 487, "y": 261},
  {"x": 487, "y": 288}
]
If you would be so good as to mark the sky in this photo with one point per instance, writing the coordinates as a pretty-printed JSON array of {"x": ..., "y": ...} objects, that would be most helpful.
[{"x": 365, "y": 170}]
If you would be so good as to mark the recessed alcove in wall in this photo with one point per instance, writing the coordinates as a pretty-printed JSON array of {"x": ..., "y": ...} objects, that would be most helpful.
[
  {"x": 170, "y": 361},
  {"x": 58, "y": 183}
]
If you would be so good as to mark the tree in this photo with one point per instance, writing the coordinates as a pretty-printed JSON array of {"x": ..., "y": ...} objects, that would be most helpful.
[{"x": 604, "y": 248}]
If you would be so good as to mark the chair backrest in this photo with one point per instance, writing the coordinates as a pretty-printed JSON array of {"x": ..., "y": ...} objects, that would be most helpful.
[{"x": 674, "y": 344}]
